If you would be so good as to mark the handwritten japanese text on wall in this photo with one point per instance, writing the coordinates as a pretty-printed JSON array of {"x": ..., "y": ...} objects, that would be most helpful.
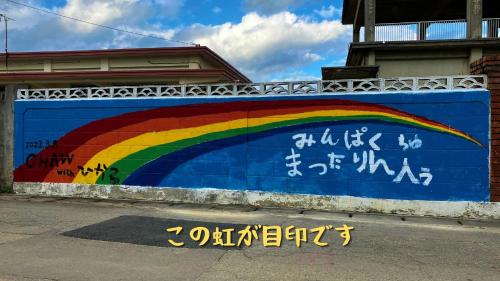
[{"x": 366, "y": 159}]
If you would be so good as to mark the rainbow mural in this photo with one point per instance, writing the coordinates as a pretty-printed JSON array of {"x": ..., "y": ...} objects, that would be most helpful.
[{"x": 128, "y": 145}]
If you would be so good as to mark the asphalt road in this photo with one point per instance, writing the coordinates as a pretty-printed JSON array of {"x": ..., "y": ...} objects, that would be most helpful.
[{"x": 68, "y": 239}]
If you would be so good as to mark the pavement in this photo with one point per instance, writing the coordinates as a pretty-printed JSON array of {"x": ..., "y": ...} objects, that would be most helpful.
[{"x": 79, "y": 239}]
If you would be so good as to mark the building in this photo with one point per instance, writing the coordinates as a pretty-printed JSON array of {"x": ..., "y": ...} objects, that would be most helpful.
[
  {"x": 182, "y": 65},
  {"x": 405, "y": 38},
  {"x": 424, "y": 38},
  {"x": 98, "y": 68}
]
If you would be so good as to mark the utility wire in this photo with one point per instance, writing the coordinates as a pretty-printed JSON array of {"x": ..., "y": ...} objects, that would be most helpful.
[
  {"x": 100, "y": 25},
  {"x": 6, "y": 19}
]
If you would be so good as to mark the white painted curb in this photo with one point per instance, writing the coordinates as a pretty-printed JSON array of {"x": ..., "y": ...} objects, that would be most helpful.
[{"x": 465, "y": 209}]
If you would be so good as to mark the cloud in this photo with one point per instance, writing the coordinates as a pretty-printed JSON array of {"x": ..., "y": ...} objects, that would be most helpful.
[
  {"x": 298, "y": 75},
  {"x": 313, "y": 57},
  {"x": 117, "y": 12},
  {"x": 34, "y": 30},
  {"x": 329, "y": 12},
  {"x": 260, "y": 45},
  {"x": 263, "y": 47},
  {"x": 99, "y": 12}
]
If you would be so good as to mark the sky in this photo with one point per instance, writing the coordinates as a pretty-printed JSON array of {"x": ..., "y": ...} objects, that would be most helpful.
[{"x": 267, "y": 40}]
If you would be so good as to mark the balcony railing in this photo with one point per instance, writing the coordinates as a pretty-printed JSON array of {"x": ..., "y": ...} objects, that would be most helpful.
[
  {"x": 491, "y": 28},
  {"x": 433, "y": 30}
]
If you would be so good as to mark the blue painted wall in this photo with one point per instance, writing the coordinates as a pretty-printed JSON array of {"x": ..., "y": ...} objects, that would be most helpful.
[{"x": 421, "y": 163}]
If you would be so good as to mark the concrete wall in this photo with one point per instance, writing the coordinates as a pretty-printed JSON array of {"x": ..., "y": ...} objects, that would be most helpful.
[
  {"x": 105, "y": 63},
  {"x": 422, "y": 63},
  {"x": 403, "y": 146},
  {"x": 7, "y": 98}
]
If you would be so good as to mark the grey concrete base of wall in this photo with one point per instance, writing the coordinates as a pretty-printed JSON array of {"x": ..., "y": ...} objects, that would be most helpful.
[{"x": 458, "y": 209}]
